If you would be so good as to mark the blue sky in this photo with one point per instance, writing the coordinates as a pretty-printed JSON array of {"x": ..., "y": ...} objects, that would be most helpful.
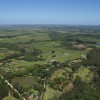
[{"x": 78, "y": 12}]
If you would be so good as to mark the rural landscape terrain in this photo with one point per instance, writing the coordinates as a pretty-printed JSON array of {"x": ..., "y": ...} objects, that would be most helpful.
[{"x": 49, "y": 62}]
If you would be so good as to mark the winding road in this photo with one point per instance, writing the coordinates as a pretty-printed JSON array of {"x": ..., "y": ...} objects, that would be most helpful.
[{"x": 11, "y": 86}]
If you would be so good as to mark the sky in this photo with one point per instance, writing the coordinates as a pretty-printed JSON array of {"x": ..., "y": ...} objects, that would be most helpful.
[{"x": 70, "y": 12}]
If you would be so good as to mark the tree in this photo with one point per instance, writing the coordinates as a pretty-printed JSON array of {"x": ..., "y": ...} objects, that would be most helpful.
[
  {"x": 52, "y": 51},
  {"x": 3, "y": 90}
]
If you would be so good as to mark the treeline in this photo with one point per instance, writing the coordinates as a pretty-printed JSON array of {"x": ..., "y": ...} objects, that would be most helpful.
[
  {"x": 42, "y": 71},
  {"x": 93, "y": 58},
  {"x": 3, "y": 89},
  {"x": 81, "y": 91},
  {"x": 11, "y": 56},
  {"x": 16, "y": 46},
  {"x": 12, "y": 36},
  {"x": 10, "y": 46},
  {"x": 68, "y": 38},
  {"x": 33, "y": 55},
  {"x": 56, "y": 36},
  {"x": 28, "y": 55}
]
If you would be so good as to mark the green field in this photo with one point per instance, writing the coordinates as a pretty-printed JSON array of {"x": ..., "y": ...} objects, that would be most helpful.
[
  {"x": 51, "y": 93},
  {"x": 84, "y": 73},
  {"x": 37, "y": 61},
  {"x": 10, "y": 98}
]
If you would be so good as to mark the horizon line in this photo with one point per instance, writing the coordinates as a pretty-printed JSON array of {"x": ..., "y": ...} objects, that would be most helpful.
[{"x": 52, "y": 24}]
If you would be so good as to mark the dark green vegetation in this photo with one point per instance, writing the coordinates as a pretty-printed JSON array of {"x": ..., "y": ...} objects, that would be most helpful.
[
  {"x": 3, "y": 89},
  {"x": 50, "y": 62},
  {"x": 82, "y": 90}
]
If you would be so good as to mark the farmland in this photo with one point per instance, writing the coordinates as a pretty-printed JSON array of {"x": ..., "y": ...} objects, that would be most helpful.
[{"x": 43, "y": 62}]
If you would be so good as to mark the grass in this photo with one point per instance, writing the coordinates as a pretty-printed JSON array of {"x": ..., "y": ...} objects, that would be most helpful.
[
  {"x": 2, "y": 55},
  {"x": 17, "y": 39},
  {"x": 25, "y": 80},
  {"x": 50, "y": 93},
  {"x": 10, "y": 98},
  {"x": 41, "y": 36},
  {"x": 62, "y": 54},
  {"x": 58, "y": 73},
  {"x": 84, "y": 73},
  {"x": 46, "y": 45},
  {"x": 43, "y": 43}
]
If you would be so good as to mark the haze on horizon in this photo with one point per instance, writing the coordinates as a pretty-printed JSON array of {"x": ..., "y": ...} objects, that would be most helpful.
[{"x": 70, "y": 12}]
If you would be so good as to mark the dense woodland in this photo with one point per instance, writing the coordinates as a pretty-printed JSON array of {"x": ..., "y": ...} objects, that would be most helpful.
[{"x": 82, "y": 90}]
